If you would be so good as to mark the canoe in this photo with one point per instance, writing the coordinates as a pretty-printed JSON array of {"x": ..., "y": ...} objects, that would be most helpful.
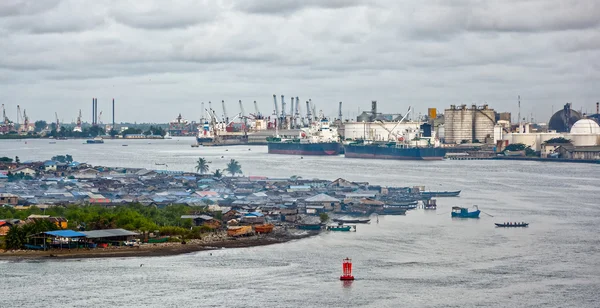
[
  {"x": 519, "y": 225},
  {"x": 352, "y": 221},
  {"x": 309, "y": 227},
  {"x": 339, "y": 228}
]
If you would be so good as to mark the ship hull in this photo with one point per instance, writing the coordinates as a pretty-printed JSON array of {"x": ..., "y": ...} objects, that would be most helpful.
[
  {"x": 202, "y": 140},
  {"x": 296, "y": 148},
  {"x": 397, "y": 153}
]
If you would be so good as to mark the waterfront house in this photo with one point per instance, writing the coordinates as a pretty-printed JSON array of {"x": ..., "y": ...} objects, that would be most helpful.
[
  {"x": 50, "y": 166},
  {"x": 10, "y": 199},
  {"x": 585, "y": 153},
  {"x": 24, "y": 171},
  {"x": 253, "y": 218},
  {"x": 329, "y": 203},
  {"x": 551, "y": 149}
]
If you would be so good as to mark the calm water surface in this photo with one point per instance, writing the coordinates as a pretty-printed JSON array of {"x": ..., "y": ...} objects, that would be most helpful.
[{"x": 423, "y": 259}]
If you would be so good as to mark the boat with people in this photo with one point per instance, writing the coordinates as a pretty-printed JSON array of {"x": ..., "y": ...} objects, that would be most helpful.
[
  {"x": 430, "y": 204},
  {"x": 352, "y": 221},
  {"x": 95, "y": 140},
  {"x": 512, "y": 225},
  {"x": 462, "y": 212},
  {"x": 341, "y": 227}
]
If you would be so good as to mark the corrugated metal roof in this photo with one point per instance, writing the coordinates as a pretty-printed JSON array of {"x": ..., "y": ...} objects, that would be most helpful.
[
  {"x": 322, "y": 198},
  {"x": 108, "y": 233},
  {"x": 65, "y": 233}
]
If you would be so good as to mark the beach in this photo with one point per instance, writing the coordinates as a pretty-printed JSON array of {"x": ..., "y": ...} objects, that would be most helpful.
[{"x": 211, "y": 242}]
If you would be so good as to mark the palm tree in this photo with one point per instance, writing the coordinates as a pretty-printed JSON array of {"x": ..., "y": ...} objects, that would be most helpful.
[
  {"x": 217, "y": 173},
  {"x": 202, "y": 165},
  {"x": 233, "y": 167}
]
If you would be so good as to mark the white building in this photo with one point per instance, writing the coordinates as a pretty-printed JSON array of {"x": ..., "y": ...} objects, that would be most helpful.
[
  {"x": 378, "y": 131},
  {"x": 584, "y": 132}
]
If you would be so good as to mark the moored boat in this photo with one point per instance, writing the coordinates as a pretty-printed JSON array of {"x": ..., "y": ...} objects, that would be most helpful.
[
  {"x": 391, "y": 210},
  {"x": 95, "y": 140},
  {"x": 461, "y": 212},
  {"x": 440, "y": 193},
  {"x": 352, "y": 221},
  {"x": 309, "y": 227},
  {"x": 265, "y": 228},
  {"x": 341, "y": 228},
  {"x": 512, "y": 225},
  {"x": 319, "y": 139}
]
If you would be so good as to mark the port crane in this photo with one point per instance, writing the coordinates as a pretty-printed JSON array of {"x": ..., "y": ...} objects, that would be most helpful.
[
  {"x": 296, "y": 113},
  {"x": 57, "y": 122},
  {"x": 78, "y": 126},
  {"x": 276, "y": 111},
  {"x": 340, "y": 112},
  {"x": 257, "y": 114},
  {"x": 391, "y": 131},
  {"x": 25, "y": 121},
  {"x": 225, "y": 117},
  {"x": 243, "y": 114}
]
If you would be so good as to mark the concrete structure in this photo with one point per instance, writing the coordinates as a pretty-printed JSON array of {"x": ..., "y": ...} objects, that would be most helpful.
[
  {"x": 464, "y": 124},
  {"x": 8, "y": 199},
  {"x": 588, "y": 153}
]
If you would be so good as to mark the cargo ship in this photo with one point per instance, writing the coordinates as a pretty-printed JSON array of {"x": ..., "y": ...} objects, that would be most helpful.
[
  {"x": 319, "y": 139},
  {"x": 393, "y": 151},
  {"x": 205, "y": 134}
]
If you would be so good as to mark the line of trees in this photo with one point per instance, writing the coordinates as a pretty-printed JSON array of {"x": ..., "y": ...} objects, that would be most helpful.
[{"x": 233, "y": 167}]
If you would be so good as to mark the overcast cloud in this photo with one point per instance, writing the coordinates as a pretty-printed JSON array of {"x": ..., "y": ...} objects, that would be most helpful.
[{"x": 162, "y": 58}]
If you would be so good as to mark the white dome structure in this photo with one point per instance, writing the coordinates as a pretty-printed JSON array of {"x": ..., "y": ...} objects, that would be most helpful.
[{"x": 585, "y": 126}]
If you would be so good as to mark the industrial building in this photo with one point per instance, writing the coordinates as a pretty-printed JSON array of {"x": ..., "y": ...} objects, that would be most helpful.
[{"x": 465, "y": 125}]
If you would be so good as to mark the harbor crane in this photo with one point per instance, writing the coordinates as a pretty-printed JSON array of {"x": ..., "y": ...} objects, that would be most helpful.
[
  {"x": 391, "y": 131},
  {"x": 292, "y": 118},
  {"x": 19, "y": 116},
  {"x": 225, "y": 117},
  {"x": 276, "y": 111},
  {"x": 78, "y": 126},
  {"x": 282, "y": 108},
  {"x": 25, "y": 121},
  {"x": 4, "y": 117},
  {"x": 340, "y": 112},
  {"x": 296, "y": 112},
  {"x": 243, "y": 114},
  {"x": 257, "y": 114},
  {"x": 57, "y": 122},
  {"x": 202, "y": 114},
  {"x": 308, "y": 115}
]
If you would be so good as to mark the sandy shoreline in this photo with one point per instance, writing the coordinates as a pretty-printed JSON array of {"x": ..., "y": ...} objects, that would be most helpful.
[{"x": 150, "y": 250}]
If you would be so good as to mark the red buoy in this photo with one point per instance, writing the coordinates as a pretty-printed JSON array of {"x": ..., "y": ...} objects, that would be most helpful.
[{"x": 347, "y": 270}]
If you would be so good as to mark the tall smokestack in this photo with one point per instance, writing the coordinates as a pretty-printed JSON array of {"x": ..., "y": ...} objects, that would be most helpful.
[
  {"x": 597, "y": 107},
  {"x": 374, "y": 109},
  {"x": 93, "y": 109},
  {"x": 113, "y": 125}
]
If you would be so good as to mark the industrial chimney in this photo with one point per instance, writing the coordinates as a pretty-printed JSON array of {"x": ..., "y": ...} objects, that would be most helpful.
[
  {"x": 113, "y": 114},
  {"x": 374, "y": 109},
  {"x": 597, "y": 107}
]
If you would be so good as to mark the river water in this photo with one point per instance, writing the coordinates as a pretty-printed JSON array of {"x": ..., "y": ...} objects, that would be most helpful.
[{"x": 423, "y": 259}]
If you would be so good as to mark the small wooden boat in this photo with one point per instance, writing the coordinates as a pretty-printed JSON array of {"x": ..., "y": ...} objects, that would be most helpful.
[
  {"x": 462, "y": 212},
  {"x": 352, "y": 221},
  {"x": 440, "y": 193},
  {"x": 309, "y": 227},
  {"x": 265, "y": 228},
  {"x": 512, "y": 225},
  {"x": 195, "y": 145},
  {"x": 341, "y": 228}
]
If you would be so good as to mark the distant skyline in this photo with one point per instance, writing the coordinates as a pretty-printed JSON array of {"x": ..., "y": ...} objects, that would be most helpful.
[{"x": 159, "y": 59}]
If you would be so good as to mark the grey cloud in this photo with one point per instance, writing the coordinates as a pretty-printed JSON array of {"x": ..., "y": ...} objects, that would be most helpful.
[
  {"x": 159, "y": 15},
  {"x": 288, "y": 6},
  {"x": 25, "y": 7},
  {"x": 166, "y": 57}
]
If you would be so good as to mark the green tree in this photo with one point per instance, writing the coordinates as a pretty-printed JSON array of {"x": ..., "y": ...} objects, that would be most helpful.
[
  {"x": 131, "y": 131},
  {"x": 234, "y": 167},
  {"x": 515, "y": 147},
  {"x": 218, "y": 174},
  {"x": 6, "y": 159},
  {"x": 558, "y": 140},
  {"x": 323, "y": 217},
  {"x": 40, "y": 125},
  {"x": 113, "y": 133},
  {"x": 202, "y": 165},
  {"x": 17, "y": 160}
]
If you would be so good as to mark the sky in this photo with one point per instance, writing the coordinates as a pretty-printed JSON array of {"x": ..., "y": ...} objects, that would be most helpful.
[{"x": 158, "y": 59}]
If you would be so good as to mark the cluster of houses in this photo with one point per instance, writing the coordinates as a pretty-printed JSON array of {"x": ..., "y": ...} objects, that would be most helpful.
[{"x": 252, "y": 200}]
